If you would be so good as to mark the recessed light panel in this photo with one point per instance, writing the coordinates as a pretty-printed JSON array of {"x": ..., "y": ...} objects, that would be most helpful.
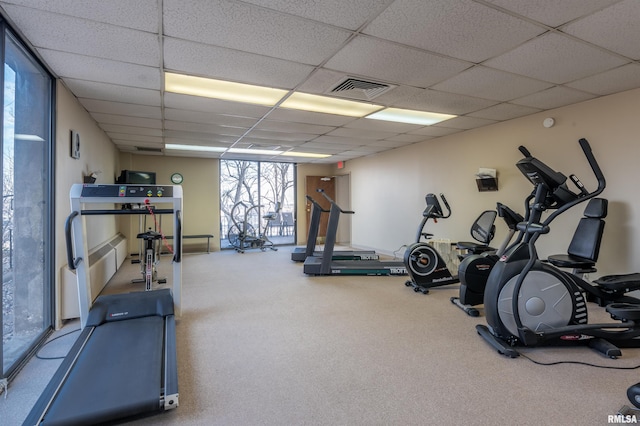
[
  {"x": 410, "y": 116},
  {"x": 327, "y": 105},
  {"x": 218, "y": 89}
]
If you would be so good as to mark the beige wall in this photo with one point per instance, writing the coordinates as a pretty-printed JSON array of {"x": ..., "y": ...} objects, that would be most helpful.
[
  {"x": 97, "y": 153},
  {"x": 201, "y": 193},
  {"x": 390, "y": 187}
]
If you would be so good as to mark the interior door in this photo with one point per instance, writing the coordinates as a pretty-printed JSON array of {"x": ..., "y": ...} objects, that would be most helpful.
[{"x": 313, "y": 183}]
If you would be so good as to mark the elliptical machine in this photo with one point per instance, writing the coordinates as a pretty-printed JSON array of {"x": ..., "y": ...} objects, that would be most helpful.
[
  {"x": 474, "y": 268},
  {"x": 532, "y": 303},
  {"x": 424, "y": 264}
]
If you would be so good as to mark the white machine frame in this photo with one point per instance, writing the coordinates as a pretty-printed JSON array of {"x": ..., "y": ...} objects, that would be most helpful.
[{"x": 127, "y": 194}]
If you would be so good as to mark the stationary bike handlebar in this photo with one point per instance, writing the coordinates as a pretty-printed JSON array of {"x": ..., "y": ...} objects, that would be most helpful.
[{"x": 446, "y": 205}]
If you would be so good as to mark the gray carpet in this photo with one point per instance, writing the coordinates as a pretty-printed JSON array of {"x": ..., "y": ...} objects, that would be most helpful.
[{"x": 260, "y": 343}]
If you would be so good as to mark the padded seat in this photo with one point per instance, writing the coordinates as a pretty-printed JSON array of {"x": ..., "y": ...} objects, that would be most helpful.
[{"x": 584, "y": 248}]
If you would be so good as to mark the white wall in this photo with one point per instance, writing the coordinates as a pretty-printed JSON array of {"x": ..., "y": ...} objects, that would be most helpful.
[{"x": 390, "y": 187}]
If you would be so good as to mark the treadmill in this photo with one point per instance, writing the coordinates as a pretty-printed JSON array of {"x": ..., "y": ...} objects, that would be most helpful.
[
  {"x": 124, "y": 363},
  {"x": 326, "y": 265},
  {"x": 299, "y": 254}
]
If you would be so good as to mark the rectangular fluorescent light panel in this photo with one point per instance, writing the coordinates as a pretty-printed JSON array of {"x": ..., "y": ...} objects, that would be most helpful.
[
  {"x": 254, "y": 151},
  {"x": 304, "y": 154},
  {"x": 218, "y": 89},
  {"x": 410, "y": 116},
  {"x": 201, "y": 148},
  {"x": 327, "y": 105}
]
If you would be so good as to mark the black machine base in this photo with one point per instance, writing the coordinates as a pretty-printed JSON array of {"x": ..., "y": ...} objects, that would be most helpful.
[
  {"x": 468, "y": 309},
  {"x": 498, "y": 344}
]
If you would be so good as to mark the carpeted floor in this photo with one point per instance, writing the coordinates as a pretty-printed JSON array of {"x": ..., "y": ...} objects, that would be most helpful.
[{"x": 260, "y": 343}]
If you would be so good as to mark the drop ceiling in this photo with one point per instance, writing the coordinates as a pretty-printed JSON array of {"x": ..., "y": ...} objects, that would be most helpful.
[{"x": 485, "y": 61}]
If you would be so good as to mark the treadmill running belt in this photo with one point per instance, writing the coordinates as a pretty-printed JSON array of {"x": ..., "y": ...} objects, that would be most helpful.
[{"x": 117, "y": 375}]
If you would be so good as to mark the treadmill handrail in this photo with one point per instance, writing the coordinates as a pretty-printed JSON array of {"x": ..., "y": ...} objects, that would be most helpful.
[
  {"x": 333, "y": 203},
  {"x": 177, "y": 256},
  {"x": 316, "y": 204},
  {"x": 71, "y": 260}
]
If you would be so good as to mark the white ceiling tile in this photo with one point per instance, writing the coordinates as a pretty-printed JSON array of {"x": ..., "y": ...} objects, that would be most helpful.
[
  {"x": 204, "y": 128},
  {"x": 113, "y": 92},
  {"x": 285, "y": 127},
  {"x": 393, "y": 63},
  {"x": 134, "y": 138},
  {"x": 381, "y": 125},
  {"x": 115, "y": 128},
  {"x": 555, "y": 58},
  {"x": 340, "y": 140},
  {"x": 504, "y": 111},
  {"x": 435, "y": 131},
  {"x": 405, "y": 138},
  {"x": 347, "y": 14},
  {"x": 196, "y": 103},
  {"x": 138, "y": 14},
  {"x": 457, "y": 28},
  {"x": 346, "y": 132},
  {"x": 218, "y": 62},
  {"x": 123, "y": 120},
  {"x": 553, "y": 98},
  {"x": 465, "y": 123},
  {"x": 208, "y": 118},
  {"x": 118, "y": 108},
  {"x": 446, "y": 103},
  {"x": 486, "y": 83},
  {"x": 616, "y": 28},
  {"x": 85, "y": 37},
  {"x": 252, "y": 29},
  {"x": 626, "y": 77},
  {"x": 389, "y": 143},
  {"x": 101, "y": 70},
  {"x": 552, "y": 12},
  {"x": 188, "y": 138},
  {"x": 280, "y": 136}
]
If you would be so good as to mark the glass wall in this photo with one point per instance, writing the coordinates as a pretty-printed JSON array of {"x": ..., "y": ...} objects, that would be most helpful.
[
  {"x": 27, "y": 211},
  {"x": 257, "y": 200}
]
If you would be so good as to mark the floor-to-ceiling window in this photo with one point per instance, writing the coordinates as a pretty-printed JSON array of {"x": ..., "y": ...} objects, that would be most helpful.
[
  {"x": 257, "y": 200},
  {"x": 27, "y": 211}
]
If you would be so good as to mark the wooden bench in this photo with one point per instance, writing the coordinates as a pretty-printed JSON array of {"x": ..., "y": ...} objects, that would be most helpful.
[{"x": 190, "y": 237}]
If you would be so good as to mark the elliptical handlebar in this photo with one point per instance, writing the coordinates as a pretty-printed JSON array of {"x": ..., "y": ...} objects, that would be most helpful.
[
  {"x": 524, "y": 151},
  {"x": 602, "y": 183}
]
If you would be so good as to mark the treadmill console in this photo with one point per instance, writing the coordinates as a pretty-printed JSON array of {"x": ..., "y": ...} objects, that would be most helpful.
[{"x": 127, "y": 191}]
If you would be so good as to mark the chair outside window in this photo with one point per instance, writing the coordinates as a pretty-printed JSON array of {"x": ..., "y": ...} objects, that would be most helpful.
[{"x": 287, "y": 223}]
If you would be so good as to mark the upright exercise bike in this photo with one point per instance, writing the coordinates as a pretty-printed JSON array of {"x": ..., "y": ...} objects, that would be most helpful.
[
  {"x": 424, "y": 264},
  {"x": 532, "y": 303},
  {"x": 242, "y": 235}
]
